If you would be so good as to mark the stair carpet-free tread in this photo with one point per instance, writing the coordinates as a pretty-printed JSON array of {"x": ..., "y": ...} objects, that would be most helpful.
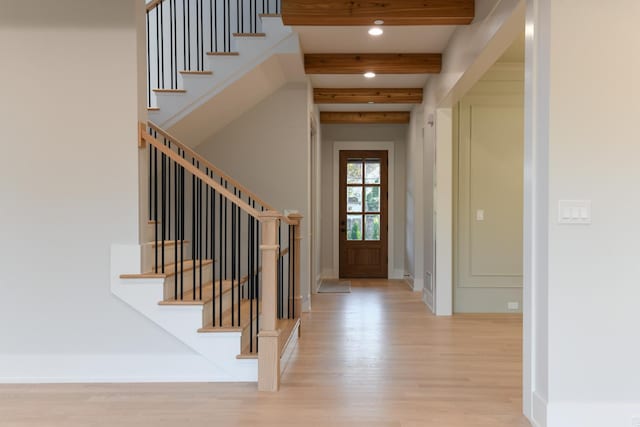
[
  {"x": 207, "y": 293},
  {"x": 245, "y": 314},
  {"x": 168, "y": 243},
  {"x": 169, "y": 91},
  {"x": 197, "y": 72},
  {"x": 286, "y": 327},
  {"x": 223, "y": 53},
  {"x": 269, "y": 15},
  {"x": 249, "y": 35},
  {"x": 169, "y": 270}
]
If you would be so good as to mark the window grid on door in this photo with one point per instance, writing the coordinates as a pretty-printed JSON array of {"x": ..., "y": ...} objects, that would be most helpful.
[{"x": 364, "y": 204}]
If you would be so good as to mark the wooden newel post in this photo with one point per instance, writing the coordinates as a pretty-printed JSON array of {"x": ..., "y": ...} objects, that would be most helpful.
[
  {"x": 297, "y": 296},
  {"x": 268, "y": 355}
]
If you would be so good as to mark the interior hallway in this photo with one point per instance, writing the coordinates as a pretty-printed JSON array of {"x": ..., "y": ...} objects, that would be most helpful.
[{"x": 375, "y": 357}]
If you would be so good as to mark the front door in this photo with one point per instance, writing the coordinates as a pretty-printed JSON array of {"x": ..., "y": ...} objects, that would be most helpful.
[{"x": 363, "y": 214}]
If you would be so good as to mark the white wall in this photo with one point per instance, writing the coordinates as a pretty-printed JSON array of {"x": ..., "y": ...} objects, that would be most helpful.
[
  {"x": 397, "y": 134},
  {"x": 591, "y": 338},
  {"x": 267, "y": 149},
  {"x": 69, "y": 185}
]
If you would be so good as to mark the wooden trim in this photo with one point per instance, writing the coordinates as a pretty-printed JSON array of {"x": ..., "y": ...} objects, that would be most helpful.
[
  {"x": 269, "y": 15},
  {"x": 393, "y": 12},
  {"x": 365, "y": 95},
  {"x": 196, "y": 72},
  {"x": 153, "y": 4},
  {"x": 223, "y": 53},
  {"x": 268, "y": 356},
  {"x": 389, "y": 117},
  {"x": 159, "y": 90},
  {"x": 249, "y": 35},
  {"x": 211, "y": 167},
  {"x": 297, "y": 301},
  {"x": 201, "y": 175},
  {"x": 380, "y": 63}
]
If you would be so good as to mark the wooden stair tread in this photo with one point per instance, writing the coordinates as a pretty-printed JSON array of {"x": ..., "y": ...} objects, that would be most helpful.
[
  {"x": 249, "y": 35},
  {"x": 197, "y": 72},
  {"x": 169, "y": 90},
  {"x": 223, "y": 53},
  {"x": 169, "y": 270},
  {"x": 153, "y": 109},
  {"x": 207, "y": 294},
  {"x": 167, "y": 242},
  {"x": 269, "y": 15},
  {"x": 226, "y": 319}
]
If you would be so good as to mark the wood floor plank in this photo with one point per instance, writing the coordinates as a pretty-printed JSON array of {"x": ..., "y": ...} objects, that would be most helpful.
[{"x": 374, "y": 357}]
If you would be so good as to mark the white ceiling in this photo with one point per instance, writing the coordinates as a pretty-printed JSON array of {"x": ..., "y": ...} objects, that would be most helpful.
[{"x": 397, "y": 39}]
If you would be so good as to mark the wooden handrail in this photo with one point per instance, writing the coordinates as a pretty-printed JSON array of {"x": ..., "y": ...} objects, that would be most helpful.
[
  {"x": 201, "y": 175},
  {"x": 153, "y": 4},
  {"x": 211, "y": 167}
]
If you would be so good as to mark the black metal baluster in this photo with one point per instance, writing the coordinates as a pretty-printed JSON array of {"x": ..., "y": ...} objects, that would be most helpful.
[
  {"x": 224, "y": 24},
  {"x": 188, "y": 12},
  {"x": 171, "y": 42},
  {"x": 279, "y": 282},
  {"x": 182, "y": 226},
  {"x": 194, "y": 239},
  {"x": 240, "y": 287},
  {"x": 214, "y": 25},
  {"x": 258, "y": 238},
  {"x": 213, "y": 255},
  {"x": 250, "y": 276},
  {"x": 200, "y": 257},
  {"x": 155, "y": 205},
  {"x": 233, "y": 262},
  {"x": 176, "y": 223},
  {"x": 292, "y": 250},
  {"x": 148, "y": 66},
  {"x": 184, "y": 35},
  {"x": 222, "y": 260}
]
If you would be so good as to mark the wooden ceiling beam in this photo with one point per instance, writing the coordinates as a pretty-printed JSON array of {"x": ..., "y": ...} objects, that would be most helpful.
[
  {"x": 379, "y": 63},
  {"x": 369, "y": 117},
  {"x": 365, "y": 12},
  {"x": 364, "y": 96}
]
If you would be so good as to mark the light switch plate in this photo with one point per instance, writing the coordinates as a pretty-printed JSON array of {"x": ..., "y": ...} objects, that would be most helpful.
[
  {"x": 513, "y": 305},
  {"x": 635, "y": 422},
  {"x": 574, "y": 212},
  {"x": 480, "y": 215}
]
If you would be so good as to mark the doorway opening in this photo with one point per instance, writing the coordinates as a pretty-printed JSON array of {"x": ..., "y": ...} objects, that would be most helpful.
[{"x": 363, "y": 214}]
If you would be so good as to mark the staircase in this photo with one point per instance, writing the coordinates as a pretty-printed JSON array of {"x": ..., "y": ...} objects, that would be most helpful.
[
  {"x": 218, "y": 267},
  {"x": 197, "y": 49}
]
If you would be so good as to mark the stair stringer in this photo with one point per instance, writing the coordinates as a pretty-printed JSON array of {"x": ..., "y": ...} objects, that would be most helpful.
[
  {"x": 219, "y": 349},
  {"x": 226, "y": 70}
]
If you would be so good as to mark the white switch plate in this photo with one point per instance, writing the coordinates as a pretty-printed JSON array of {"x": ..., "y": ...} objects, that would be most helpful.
[
  {"x": 480, "y": 215},
  {"x": 513, "y": 305},
  {"x": 574, "y": 212},
  {"x": 635, "y": 422}
]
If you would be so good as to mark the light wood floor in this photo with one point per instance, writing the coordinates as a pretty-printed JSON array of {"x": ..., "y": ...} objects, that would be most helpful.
[{"x": 374, "y": 357}]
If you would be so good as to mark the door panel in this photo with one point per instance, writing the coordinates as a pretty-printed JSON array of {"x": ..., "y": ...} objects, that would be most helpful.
[{"x": 363, "y": 213}]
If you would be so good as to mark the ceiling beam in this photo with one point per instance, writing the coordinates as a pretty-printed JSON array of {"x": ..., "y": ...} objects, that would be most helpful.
[
  {"x": 388, "y": 117},
  {"x": 364, "y": 96},
  {"x": 364, "y": 12},
  {"x": 380, "y": 63}
]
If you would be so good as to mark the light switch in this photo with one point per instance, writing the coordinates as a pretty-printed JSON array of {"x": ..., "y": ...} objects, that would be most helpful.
[
  {"x": 480, "y": 215},
  {"x": 574, "y": 212}
]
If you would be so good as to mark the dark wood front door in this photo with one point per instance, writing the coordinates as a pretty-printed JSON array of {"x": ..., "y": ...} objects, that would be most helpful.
[{"x": 363, "y": 213}]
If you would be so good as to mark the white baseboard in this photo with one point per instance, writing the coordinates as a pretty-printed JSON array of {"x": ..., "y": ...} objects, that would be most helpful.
[
  {"x": 397, "y": 274},
  {"x": 112, "y": 368},
  {"x": 539, "y": 411},
  {"x": 591, "y": 414}
]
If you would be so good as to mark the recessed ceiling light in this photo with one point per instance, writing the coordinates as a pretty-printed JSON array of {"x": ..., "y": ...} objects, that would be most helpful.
[
  {"x": 375, "y": 31},
  {"x": 378, "y": 22},
  {"x": 369, "y": 74}
]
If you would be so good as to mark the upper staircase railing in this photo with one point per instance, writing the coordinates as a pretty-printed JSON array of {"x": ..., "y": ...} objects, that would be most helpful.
[
  {"x": 182, "y": 33},
  {"x": 218, "y": 244}
]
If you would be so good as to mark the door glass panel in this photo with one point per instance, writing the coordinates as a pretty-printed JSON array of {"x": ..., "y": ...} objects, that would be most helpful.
[
  {"x": 354, "y": 172},
  {"x": 372, "y": 172},
  {"x": 372, "y": 227},
  {"x": 354, "y": 227},
  {"x": 354, "y": 199},
  {"x": 372, "y": 199}
]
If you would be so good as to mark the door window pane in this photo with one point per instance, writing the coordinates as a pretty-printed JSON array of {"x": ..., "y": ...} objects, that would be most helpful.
[
  {"x": 372, "y": 227},
  {"x": 354, "y": 227},
  {"x": 372, "y": 172},
  {"x": 354, "y": 199},
  {"x": 372, "y": 199},
  {"x": 354, "y": 172}
]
